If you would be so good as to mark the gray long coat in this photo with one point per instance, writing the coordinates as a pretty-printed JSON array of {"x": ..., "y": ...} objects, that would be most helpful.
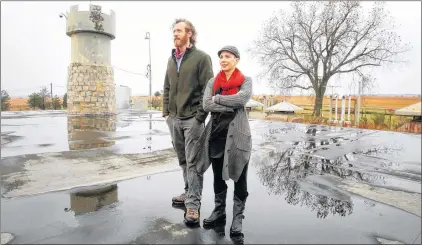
[{"x": 239, "y": 143}]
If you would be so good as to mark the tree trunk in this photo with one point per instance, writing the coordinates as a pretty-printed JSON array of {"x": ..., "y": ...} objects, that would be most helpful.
[{"x": 318, "y": 104}]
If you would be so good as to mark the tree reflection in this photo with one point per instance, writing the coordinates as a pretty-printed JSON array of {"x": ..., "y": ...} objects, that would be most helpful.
[
  {"x": 282, "y": 171},
  {"x": 281, "y": 177}
]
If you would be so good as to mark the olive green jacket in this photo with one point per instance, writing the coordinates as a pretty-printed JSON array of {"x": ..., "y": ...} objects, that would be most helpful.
[{"x": 184, "y": 89}]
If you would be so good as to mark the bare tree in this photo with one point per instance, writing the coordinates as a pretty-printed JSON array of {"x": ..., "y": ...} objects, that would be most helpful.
[
  {"x": 45, "y": 94},
  {"x": 319, "y": 40},
  {"x": 5, "y": 100}
]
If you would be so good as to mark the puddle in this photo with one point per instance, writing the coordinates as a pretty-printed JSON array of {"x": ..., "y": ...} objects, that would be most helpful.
[
  {"x": 138, "y": 211},
  {"x": 355, "y": 184},
  {"x": 125, "y": 133}
]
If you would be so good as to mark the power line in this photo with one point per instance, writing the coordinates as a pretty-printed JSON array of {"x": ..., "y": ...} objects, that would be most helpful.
[
  {"x": 20, "y": 92},
  {"x": 131, "y": 72},
  {"x": 25, "y": 89},
  {"x": 63, "y": 86}
]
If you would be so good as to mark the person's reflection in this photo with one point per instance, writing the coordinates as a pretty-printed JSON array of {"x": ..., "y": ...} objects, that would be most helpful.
[
  {"x": 92, "y": 200},
  {"x": 90, "y": 132}
]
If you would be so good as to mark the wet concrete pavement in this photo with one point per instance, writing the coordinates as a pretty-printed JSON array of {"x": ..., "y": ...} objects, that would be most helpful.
[
  {"x": 38, "y": 132},
  {"x": 89, "y": 150},
  {"x": 307, "y": 184}
]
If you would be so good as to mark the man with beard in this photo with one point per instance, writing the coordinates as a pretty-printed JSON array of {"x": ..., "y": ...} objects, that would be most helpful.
[{"x": 188, "y": 71}]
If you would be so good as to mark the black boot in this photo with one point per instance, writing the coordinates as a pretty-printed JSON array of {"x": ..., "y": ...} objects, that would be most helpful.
[
  {"x": 236, "y": 229},
  {"x": 218, "y": 215}
]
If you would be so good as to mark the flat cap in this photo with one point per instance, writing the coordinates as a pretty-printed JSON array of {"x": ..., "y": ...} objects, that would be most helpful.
[{"x": 231, "y": 49}]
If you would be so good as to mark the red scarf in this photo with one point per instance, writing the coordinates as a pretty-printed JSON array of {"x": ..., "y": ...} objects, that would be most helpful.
[
  {"x": 231, "y": 86},
  {"x": 178, "y": 54}
]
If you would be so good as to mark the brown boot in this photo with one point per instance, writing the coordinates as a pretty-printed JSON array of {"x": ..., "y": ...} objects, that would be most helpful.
[
  {"x": 192, "y": 216},
  {"x": 179, "y": 200}
]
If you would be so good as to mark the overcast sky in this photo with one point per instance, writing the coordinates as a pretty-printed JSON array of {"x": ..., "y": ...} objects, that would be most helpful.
[{"x": 35, "y": 50}]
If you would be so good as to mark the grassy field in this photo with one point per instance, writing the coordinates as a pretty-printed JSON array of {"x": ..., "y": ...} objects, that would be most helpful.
[
  {"x": 374, "y": 103},
  {"x": 376, "y": 111},
  {"x": 367, "y": 102},
  {"x": 19, "y": 104}
]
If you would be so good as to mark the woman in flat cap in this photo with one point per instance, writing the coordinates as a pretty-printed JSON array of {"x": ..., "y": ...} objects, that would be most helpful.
[{"x": 228, "y": 139}]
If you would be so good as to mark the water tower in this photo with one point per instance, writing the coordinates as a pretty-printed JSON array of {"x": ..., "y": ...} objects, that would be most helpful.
[{"x": 90, "y": 84}]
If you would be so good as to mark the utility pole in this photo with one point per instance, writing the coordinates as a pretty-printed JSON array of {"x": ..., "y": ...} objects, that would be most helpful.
[
  {"x": 51, "y": 92},
  {"x": 147, "y": 36},
  {"x": 357, "y": 109}
]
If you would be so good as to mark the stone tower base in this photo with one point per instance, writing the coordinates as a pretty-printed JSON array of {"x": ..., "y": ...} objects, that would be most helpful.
[{"x": 91, "y": 90}]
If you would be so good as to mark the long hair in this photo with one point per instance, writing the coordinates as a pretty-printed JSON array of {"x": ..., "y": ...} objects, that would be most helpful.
[{"x": 189, "y": 27}]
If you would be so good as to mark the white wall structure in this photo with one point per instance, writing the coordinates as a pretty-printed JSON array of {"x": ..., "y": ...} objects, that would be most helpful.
[
  {"x": 343, "y": 108},
  {"x": 123, "y": 94},
  {"x": 336, "y": 114},
  {"x": 141, "y": 105},
  {"x": 348, "y": 109}
]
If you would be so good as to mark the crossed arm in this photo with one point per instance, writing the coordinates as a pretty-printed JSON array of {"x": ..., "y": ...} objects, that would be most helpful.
[
  {"x": 239, "y": 99},
  {"x": 208, "y": 104},
  {"x": 227, "y": 103}
]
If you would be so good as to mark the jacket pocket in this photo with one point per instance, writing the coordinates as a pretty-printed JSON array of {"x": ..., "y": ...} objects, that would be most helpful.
[{"x": 242, "y": 141}]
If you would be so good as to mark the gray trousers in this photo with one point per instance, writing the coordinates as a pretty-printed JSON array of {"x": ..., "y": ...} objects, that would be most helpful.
[{"x": 185, "y": 134}]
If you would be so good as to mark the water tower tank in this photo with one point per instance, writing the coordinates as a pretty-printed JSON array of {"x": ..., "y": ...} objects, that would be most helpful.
[{"x": 90, "y": 85}]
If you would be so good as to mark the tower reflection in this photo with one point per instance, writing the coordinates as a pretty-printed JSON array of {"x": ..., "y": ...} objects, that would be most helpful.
[
  {"x": 91, "y": 200},
  {"x": 90, "y": 132}
]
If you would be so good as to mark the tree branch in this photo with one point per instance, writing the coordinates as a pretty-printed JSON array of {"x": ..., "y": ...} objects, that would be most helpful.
[
  {"x": 337, "y": 34},
  {"x": 356, "y": 68}
]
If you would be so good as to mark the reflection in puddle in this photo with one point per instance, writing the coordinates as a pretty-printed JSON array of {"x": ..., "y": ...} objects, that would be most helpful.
[
  {"x": 285, "y": 176},
  {"x": 162, "y": 231},
  {"x": 90, "y": 132},
  {"x": 92, "y": 200},
  {"x": 8, "y": 137},
  {"x": 293, "y": 171},
  {"x": 149, "y": 138}
]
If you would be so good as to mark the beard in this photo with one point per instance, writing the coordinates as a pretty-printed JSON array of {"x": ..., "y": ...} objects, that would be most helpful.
[{"x": 181, "y": 41}]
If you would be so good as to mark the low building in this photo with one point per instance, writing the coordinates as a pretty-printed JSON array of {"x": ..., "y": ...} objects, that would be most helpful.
[
  {"x": 140, "y": 103},
  {"x": 123, "y": 94},
  {"x": 415, "y": 125},
  {"x": 253, "y": 104},
  {"x": 283, "y": 108},
  {"x": 283, "y": 111},
  {"x": 411, "y": 110}
]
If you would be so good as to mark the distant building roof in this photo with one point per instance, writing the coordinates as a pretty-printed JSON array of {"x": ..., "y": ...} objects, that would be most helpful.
[
  {"x": 412, "y": 110},
  {"x": 284, "y": 106},
  {"x": 254, "y": 103}
]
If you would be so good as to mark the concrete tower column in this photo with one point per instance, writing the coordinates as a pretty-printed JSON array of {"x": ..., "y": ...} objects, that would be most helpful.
[{"x": 90, "y": 84}]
